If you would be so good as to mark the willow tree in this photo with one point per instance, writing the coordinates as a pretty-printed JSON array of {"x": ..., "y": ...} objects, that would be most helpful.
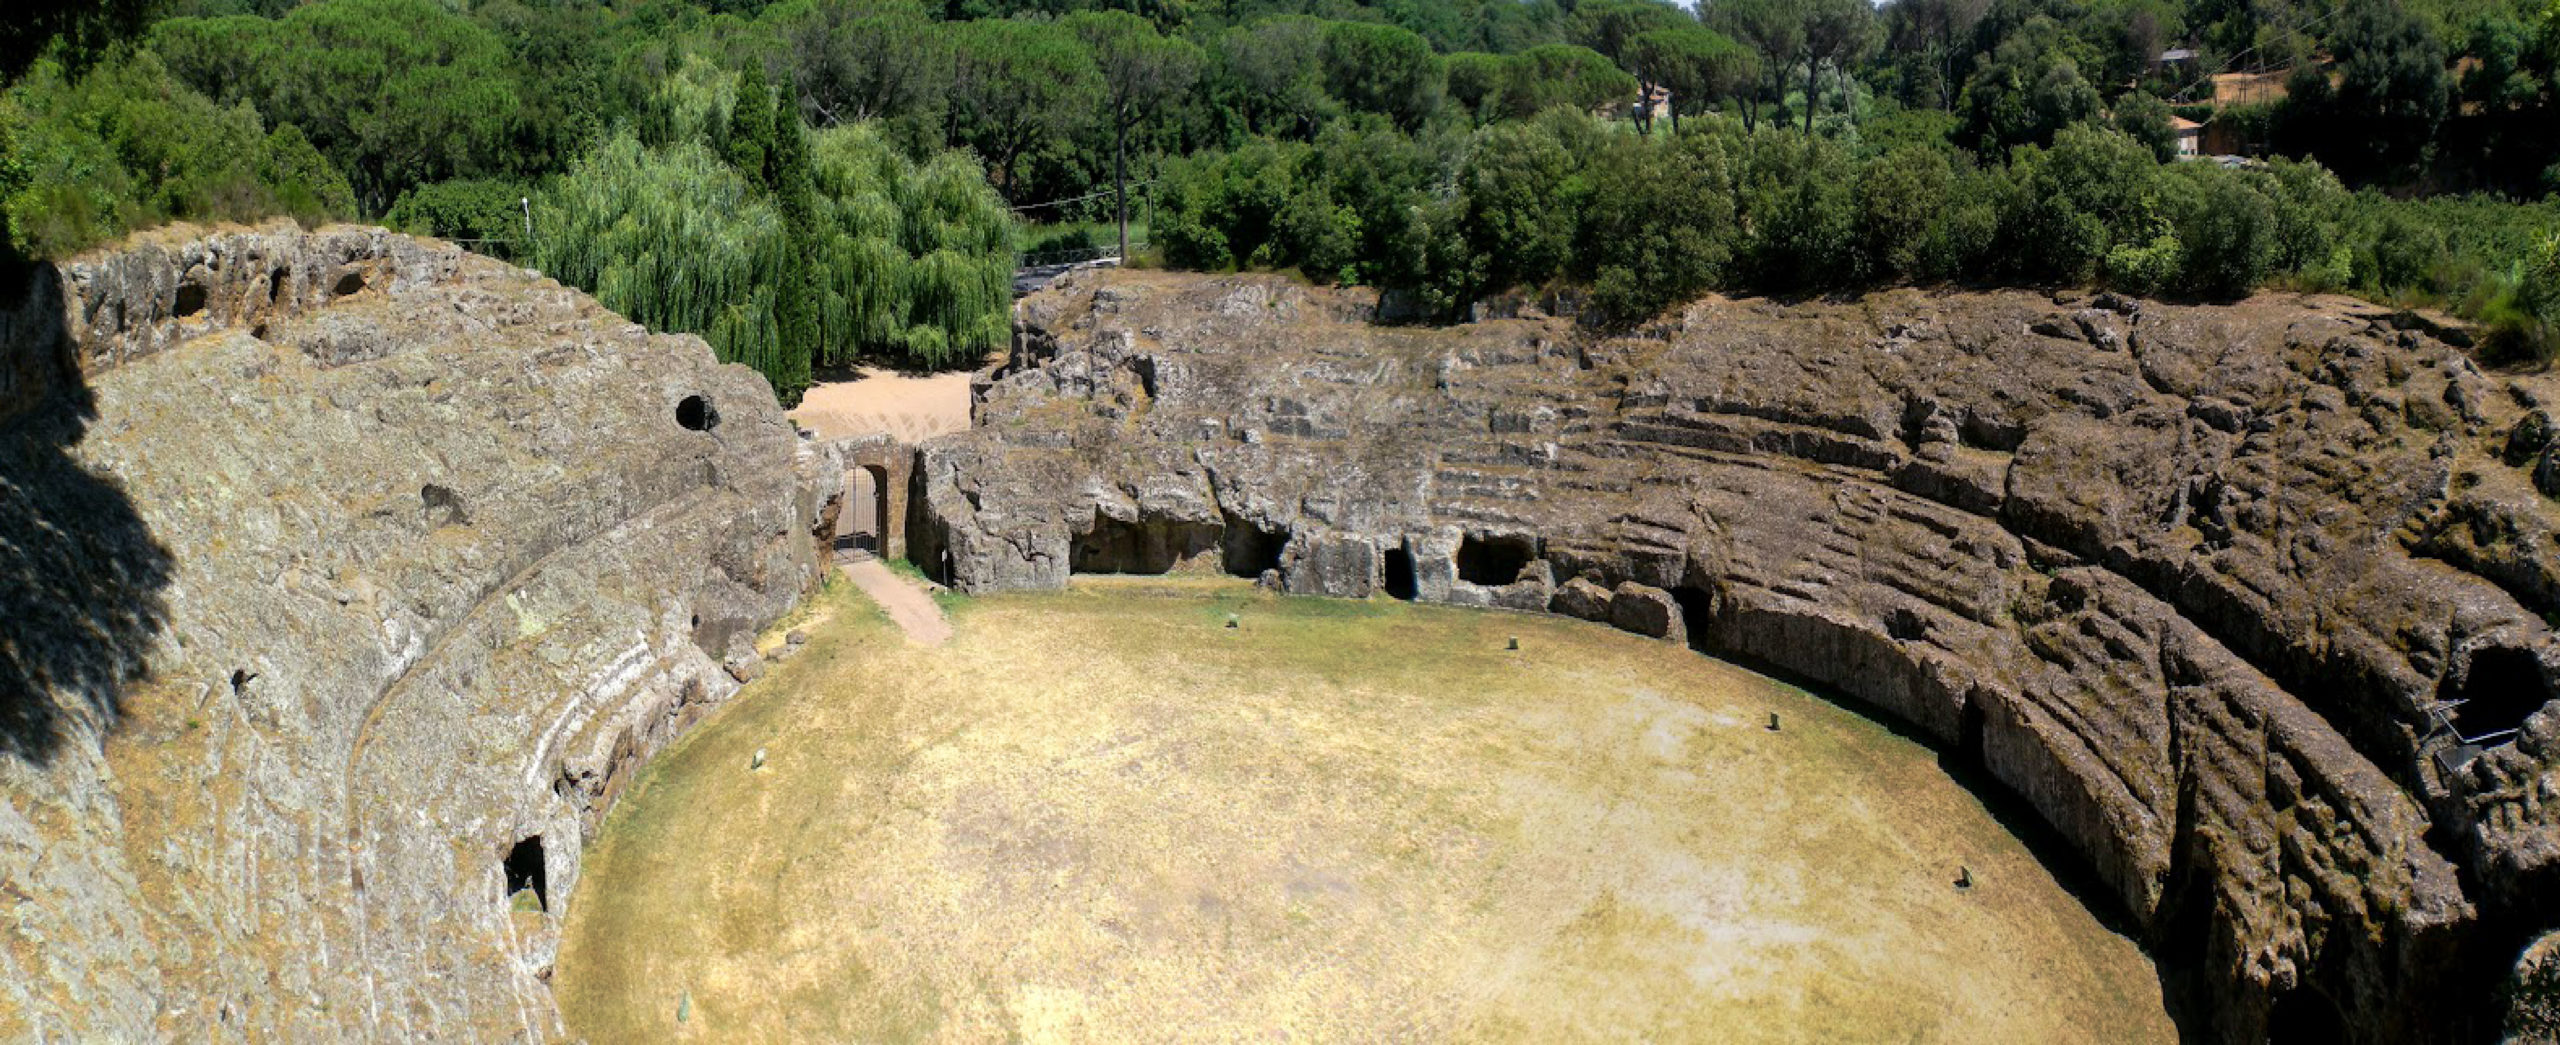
[
  {"x": 678, "y": 240},
  {"x": 914, "y": 263}
]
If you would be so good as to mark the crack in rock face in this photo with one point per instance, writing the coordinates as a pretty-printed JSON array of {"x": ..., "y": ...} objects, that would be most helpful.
[
  {"x": 2250, "y": 604},
  {"x": 345, "y": 579}
]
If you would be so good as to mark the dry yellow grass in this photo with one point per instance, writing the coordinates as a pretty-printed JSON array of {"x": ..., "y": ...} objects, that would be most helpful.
[{"x": 1102, "y": 815}]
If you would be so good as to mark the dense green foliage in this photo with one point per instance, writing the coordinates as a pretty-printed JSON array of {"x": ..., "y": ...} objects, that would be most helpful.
[
  {"x": 126, "y": 146},
  {"x": 854, "y": 160},
  {"x": 781, "y": 247},
  {"x": 1647, "y": 222}
]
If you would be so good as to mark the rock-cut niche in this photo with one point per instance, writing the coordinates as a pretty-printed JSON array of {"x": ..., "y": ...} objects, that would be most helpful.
[{"x": 525, "y": 872}]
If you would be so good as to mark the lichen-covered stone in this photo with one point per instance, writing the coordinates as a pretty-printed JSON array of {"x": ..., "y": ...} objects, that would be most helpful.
[
  {"x": 333, "y": 566},
  {"x": 2200, "y": 583}
]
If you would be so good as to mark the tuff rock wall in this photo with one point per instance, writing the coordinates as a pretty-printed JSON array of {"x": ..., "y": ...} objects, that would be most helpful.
[
  {"x": 2250, "y": 603},
  {"x": 336, "y": 568}
]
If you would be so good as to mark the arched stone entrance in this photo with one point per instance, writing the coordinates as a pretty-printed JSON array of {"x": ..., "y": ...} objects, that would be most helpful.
[
  {"x": 863, "y": 522},
  {"x": 861, "y": 495}
]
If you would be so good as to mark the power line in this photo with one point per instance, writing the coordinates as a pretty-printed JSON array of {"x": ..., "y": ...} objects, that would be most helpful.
[{"x": 1080, "y": 199}]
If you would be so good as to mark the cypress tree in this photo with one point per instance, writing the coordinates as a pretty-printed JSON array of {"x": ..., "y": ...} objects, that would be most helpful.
[{"x": 751, "y": 127}]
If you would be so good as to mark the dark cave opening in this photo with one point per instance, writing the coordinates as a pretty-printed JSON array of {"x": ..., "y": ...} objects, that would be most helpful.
[
  {"x": 696, "y": 413},
  {"x": 1493, "y": 561},
  {"x": 1969, "y": 732},
  {"x": 1399, "y": 581},
  {"x": 1113, "y": 546},
  {"x": 1697, "y": 611},
  {"x": 1903, "y": 625},
  {"x": 2500, "y": 687},
  {"x": 525, "y": 871},
  {"x": 1247, "y": 550},
  {"x": 2304, "y": 1016}
]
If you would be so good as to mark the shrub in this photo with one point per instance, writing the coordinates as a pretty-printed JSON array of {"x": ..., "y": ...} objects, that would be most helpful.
[{"x": 2226, "y": 234}]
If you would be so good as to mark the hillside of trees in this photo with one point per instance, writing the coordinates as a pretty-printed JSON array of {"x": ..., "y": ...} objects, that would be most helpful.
[{"x": 812, "y": 182}]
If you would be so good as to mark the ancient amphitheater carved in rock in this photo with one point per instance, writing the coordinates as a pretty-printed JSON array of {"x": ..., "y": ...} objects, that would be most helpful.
[{"x": 348, "y": 577}]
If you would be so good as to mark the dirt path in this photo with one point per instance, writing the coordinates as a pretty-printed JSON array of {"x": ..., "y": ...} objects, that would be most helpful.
[
  {"x": 910, "y": 408},
  {"x": 909, "y": 607}
]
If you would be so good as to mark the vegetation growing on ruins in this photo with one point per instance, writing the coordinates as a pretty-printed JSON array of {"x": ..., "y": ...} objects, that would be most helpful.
[{"x": 1445, "y": 149}]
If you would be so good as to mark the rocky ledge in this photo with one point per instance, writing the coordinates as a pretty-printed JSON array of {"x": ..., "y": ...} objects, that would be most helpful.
[
  {"x": 2251, "y": 603},
  {"x": 343, "y": 580}
]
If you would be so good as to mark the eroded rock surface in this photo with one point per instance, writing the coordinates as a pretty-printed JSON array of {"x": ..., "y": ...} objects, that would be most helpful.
[
  {"x": 2250, "y": 603},
  {"x": 344, "y": 578}
]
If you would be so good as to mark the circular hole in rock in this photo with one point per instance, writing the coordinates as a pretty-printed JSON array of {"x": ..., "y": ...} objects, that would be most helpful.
[
  {"x": 695, "y": 412},
  {"x": 348, "y": 284},
  {"x": 190, "y": 300}
]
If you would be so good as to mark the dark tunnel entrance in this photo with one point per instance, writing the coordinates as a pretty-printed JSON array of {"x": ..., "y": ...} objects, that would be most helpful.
[
  {"x": 1399, "y": 581},
  {"x": 1248, "y": 550},
  {"x": 1697, "y": 613},
  {"x": 2499, "y": 688},
  {"x": 2303, "y": 1016},
  {"x": 1493, "y": 561},
  {"x": 526, "y": 873},
  {"x": 1114, "y": 546}
]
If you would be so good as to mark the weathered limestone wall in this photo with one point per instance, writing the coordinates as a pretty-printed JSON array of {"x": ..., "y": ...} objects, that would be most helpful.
[
  {"x": 2200, "y": 583},
  {"x": 333, "y": 566}
]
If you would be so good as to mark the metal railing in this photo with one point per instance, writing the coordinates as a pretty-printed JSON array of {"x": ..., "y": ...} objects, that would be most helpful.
[{"x": 1073, "y": 255}]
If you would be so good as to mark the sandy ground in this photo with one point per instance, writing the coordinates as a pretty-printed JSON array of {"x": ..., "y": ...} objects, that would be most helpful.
[
  {"x": 1102, "y": 815},
  {"x": 911, "y": 408}
]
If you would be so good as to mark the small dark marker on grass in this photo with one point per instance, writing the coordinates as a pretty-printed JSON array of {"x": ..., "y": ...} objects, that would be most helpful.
[
  {"x": 1515, "y": 643},
  {"x": 1773, "y": 722}
]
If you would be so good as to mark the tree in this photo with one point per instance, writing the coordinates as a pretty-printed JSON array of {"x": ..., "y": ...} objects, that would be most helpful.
[
  {"x": 2147, "y": 119},
  {"x": 1659, "y": 227},
  {"x": 1382, "y": 69},
  {"x": 1929, "y": 34},
  {"x": 679, "y": 240},
  {"x": 1475, "y": 81},
  {"x": 1273, "y": 73},
  {"x": 1543, "y": 78},
  {"x": 219, "y": 57},
  {"x": 2392, "y": 83},
  {"x": 1774, "y": 29},
  {"x": 1900, "y": 197},
  {"x": 1140, "y": 69},
  {"x": 125, "y": 145},
  {"x": 82, "y": 27},
  {"x": 2026, "y": 90},
  {"x": 752, "y": 129},
  {"x": 1697, "y": 65},
  {"x": 1837, "y": 33},
  {"x": 1017, "y": 86},
  {"x": 397, "y": 93},
  {"x": 854, "y": 60},
  {"x": 1518, "y": 225},
  {"x": 2226, "y": 233},
  {"x": 1611, "y": 28}
]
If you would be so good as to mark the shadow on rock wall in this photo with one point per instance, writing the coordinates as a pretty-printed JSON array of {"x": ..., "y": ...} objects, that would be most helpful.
[{"x": 81, "y": 576}]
